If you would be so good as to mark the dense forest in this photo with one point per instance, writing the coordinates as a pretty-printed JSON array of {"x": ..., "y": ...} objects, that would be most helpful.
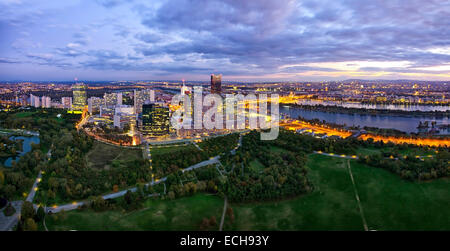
[
  {"x": 218, "y": 145},
  {"x": 282, "y": 174}
]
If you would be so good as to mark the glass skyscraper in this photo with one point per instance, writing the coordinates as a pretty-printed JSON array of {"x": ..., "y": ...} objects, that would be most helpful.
[{"x": 155, "y": 119}]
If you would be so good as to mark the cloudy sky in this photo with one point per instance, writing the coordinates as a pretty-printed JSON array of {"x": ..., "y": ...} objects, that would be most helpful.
[{"x": 245, "y": 40}]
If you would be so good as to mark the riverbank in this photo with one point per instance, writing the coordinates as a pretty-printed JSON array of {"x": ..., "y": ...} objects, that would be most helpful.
[
  {"x": 371, "y": 111},
  {"x": 409, "y": 125}
]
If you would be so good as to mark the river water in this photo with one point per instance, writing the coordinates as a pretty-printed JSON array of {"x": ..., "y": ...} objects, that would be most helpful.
[
  {"x": 402, "y": 123},
  {"x": 26, "y": 144}
]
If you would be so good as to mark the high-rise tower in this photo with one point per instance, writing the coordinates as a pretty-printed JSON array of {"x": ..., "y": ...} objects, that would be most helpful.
[
  {"x": 155, "y": 119},
  {"x": 216, "y": 83},
  {"x": 79, "y": 96}
]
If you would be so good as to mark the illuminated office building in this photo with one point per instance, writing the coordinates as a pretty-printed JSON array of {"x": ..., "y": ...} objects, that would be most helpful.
[
  {"x": 155, "y": 119},
  {"x": 111, "y": 99},
  {"x": 94, "y": 104},
  {"x": 120, "y": 119},
  {"x": 79, "y": 96},
  {"x": 216, "y": 83},
  {"x": 119, "y": 98}
]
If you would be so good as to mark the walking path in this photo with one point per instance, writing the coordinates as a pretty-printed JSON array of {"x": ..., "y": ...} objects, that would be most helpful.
[
  {"x": 357, "y": 198},
  {"x": 34, "y": 188},
  {"x": 343, "y": 156},
  {"x": 75, "y": 205},
  {"x": 198, "y": 147},
  {"x": 7, "y": 223},
  {"x": 225, "y": 204}
]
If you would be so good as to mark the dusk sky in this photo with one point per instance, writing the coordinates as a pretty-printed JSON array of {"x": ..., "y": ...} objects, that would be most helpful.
[{"x": 245, "y": 40}]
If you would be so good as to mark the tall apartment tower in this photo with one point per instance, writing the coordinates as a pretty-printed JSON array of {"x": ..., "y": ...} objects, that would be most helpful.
[
  {"x": 46, "y": 102},
  {"x": 216, "y": 83},
  {"x": 119, "y": 98},
  {"x": 66, "y": 102}
]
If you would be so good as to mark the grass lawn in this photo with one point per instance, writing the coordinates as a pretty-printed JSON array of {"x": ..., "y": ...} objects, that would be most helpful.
[
  {"x": 23, "y": 114},
  {"x": 168, "y": 149},
  {"x": 257, "y": 165},
  {"x": 388, "y": 202},
  {"x": 180, "y": 214},
  {"x": 332, "y": 206},
  {"x": 102, "y": 155},
  {"x": 391, "y": 203}
]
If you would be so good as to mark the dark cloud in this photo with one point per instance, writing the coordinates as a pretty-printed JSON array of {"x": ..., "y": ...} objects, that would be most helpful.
[
  {"x": 238, "y": 37},
  {"x": 9, "y": 61},
  {"x": 111, "y": 3},
  {"x": 273, "y": 33}
]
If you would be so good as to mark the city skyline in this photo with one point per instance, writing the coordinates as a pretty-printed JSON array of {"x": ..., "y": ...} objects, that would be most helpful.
[{"x": 245, "y": 41}]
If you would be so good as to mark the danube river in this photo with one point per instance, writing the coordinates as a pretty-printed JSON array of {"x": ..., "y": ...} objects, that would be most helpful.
[
  {"x": 27, "y": 141},
  {"x": 406, "y": 107},
  {"x": 403, "y": 123}
]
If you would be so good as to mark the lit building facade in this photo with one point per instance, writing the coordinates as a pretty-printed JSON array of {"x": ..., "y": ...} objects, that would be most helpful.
[
  {"x": 141, "y": 97},
  {"x": 113, "y": 99},
  {"x": 46, "y": 102},
  {"x": 79, "y": 91},
  {"x": 66, "y": 102},
  {"x": 94, "y": 104},
  {"x": 216, "y": 83},
  {"x": 155, "y": 119}
]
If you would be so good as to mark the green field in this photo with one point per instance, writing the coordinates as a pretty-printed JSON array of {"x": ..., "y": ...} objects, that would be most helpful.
[
  {"x": 257, "y": 165},
  {"x": 162, "y": 149},
  {"x": 23, "y": 114},
  {"x": 102, "y": 155},
  {"x": 180, "y": 214},
  {"x": 388, "y": 202}
]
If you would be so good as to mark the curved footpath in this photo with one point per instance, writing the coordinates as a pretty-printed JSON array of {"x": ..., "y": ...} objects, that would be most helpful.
[{"x": 75, "y": 205}]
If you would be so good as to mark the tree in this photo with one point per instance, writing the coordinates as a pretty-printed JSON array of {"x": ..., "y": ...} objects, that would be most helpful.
[
  {"x": 2, "y": 178},
  {"x": 27, "y": 211},
  {"x": 98, "y": 204},
  {"x": 213, "y": 221},
  {"x": 40, "y": 213},
  {"x": 171, "y": 195},
  {"x": 30, "y": 225},
  {"x": 9, "y": 210}
]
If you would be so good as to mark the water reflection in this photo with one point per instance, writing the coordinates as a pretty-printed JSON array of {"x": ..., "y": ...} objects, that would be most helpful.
[
  {"x": 402, "y": 123},
  {"x": 26, "y": 147}
]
